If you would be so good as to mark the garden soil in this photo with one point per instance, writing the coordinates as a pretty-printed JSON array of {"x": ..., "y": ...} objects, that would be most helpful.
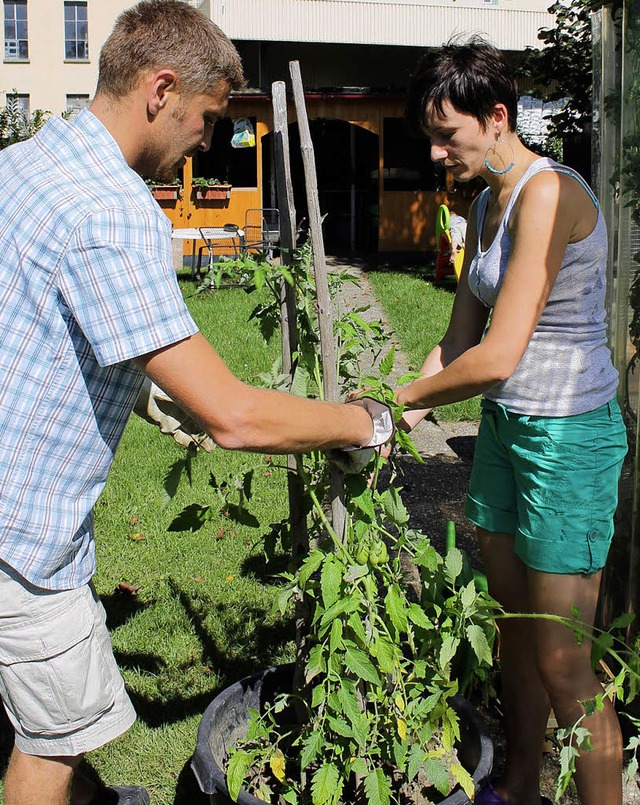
[{"x": 434, "y": 493}]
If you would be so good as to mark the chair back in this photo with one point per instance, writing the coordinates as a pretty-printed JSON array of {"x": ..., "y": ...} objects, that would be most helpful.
[{"x": 262, "y": 228}]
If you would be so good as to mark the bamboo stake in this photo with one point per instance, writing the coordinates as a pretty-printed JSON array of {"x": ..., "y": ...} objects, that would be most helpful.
[{"x": 325, "y": 308}]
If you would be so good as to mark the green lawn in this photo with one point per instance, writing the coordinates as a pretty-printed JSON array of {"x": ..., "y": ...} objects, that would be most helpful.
[{"x": 418, "y": 312}]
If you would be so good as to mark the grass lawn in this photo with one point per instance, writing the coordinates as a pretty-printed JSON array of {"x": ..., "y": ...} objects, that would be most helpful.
[{"x": 418, "y": 312}]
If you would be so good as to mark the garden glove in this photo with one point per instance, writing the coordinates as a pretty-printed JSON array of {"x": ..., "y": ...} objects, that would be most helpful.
[
  {"x": 352, "y": 460},
  {"x": 159, "y": 409}
]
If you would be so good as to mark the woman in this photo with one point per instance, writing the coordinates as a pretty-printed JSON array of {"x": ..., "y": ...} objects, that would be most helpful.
[{"x": 551, "y": 441}]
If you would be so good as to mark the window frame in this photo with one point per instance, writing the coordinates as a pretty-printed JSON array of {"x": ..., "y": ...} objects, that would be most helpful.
[
  {"x": 16, "y": 22},
  {"x": 76, "y": 42}
]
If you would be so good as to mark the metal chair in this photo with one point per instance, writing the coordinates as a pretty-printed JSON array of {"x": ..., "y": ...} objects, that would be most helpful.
[
  {"x": 219, "y": 241},
  {"x": 261, "y": 230}
]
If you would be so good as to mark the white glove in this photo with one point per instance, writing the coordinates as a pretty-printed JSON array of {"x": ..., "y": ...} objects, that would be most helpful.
[
  {"x": 352, "y": 460},
  {"x": 159, "y": 409}
]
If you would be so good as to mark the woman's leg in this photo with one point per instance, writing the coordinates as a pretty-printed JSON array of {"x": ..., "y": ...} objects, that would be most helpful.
[
  {"x": 524, "y": 696},
  {"x": 565, "y": 668}
]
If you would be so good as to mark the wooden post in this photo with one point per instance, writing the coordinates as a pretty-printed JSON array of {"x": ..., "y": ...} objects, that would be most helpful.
[{"x": 325, "y": 308}]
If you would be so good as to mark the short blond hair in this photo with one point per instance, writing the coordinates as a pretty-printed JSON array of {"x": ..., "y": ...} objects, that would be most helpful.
[{"x": 156, "y": 34}]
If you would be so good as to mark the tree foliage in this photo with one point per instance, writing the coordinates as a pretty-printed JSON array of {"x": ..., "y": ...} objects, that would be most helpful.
[{"x": 15, "y": 125}]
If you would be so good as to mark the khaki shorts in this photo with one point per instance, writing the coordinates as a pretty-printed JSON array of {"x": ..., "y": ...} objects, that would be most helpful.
[{"x": 59, "y": 681}]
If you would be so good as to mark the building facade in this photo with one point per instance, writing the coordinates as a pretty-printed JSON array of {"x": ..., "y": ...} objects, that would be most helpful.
[{"x": 377, "y": 186}]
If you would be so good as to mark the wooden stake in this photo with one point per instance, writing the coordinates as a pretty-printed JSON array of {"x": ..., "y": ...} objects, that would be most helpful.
[{"x": 325, "y": 308}]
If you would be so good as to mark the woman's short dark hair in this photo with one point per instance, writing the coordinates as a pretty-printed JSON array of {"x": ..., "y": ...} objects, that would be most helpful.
[{"x": 473, "y": 76}]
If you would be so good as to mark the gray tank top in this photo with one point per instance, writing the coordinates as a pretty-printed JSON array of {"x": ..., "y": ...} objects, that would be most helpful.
[{"x": 566, "y": 368}]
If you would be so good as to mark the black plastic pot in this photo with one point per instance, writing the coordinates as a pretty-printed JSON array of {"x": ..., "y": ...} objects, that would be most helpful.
[{"x": 225, "y": 721}]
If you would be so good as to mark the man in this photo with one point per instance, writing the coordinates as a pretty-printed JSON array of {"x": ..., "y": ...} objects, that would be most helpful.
[{"x": 89, "y": 304}]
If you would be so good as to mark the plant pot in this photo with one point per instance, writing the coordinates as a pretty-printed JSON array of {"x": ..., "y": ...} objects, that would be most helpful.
[
  {"x": 165, "y": 192},
  {"x": 226, "y": 719},
  {"x": 213, "y": 193}
]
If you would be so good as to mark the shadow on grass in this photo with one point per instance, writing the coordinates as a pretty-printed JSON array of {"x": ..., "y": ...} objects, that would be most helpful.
[{"x": 249, "y": 643}]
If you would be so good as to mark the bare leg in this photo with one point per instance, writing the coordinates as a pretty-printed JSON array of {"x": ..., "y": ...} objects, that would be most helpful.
[
  {"x": 524, "y": 696},
  {"x": 34, "y": 780},
  {"x": 568, "y": 677}
]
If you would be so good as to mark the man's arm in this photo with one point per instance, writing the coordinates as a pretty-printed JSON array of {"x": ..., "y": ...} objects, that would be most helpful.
[{"x": 240, "y": 417}]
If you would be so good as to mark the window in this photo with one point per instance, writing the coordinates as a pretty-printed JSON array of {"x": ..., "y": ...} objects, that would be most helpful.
[
  {"x": 76, "y": 33},
  {"x": 77, "y": 102},
  {"x": 16, "y": 42},
  {"x": 19, "y": 105}
]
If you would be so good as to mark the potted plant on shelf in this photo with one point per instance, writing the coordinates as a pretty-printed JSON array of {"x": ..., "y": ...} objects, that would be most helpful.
[
  {"x": 167, "y": 191},
  {"x": 210, "y": 189}
]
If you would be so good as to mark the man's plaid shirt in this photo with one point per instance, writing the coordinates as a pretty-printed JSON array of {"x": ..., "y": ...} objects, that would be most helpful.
[{"x": 86, "y": 284}]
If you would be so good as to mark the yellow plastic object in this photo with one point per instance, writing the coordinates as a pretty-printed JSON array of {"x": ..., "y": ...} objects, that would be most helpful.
[{"x": 458, "y": 260}]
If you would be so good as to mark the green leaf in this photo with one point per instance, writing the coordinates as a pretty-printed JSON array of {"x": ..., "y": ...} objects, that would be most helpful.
[
  {"x": 437, "y": 774},
  {"x": 622, "y": 621},
  {"x": 396, "y": 608},
  {"x": 192, "y": 518},
  {"x": 418, "y": 617},
  {"x": 387, "y": 363},
  {"x": 316, "y": 664},
  {"x": 311, "y": 748},
  {"x": 385, "y": 654},
  {"x": 464, "y": 779},
  {"x": 453, "y": 564},
  {"x": 340, "y": 726},
  {"x": 415, "y": 760},
  {"x": 309, "y": 567},
  {"x": 335, "y": 640},
  {"x": 326, "y": 785},
  {"x": 479, "y": 643},
  {"x": 448, "y": 649},
  {"x": 377, "y": 789},
  {"x": 360, "y": 665},
  {"x": 330, "y": 581},
  {"x": 407, "y": 445},
  {"x": 393, "y": 506},
  {"x": 237, "y": 767}
]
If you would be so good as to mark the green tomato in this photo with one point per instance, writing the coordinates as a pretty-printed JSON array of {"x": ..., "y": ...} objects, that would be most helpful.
[
  {"x": 379, "y": 554},
  {"x": 362, "y": 555}
]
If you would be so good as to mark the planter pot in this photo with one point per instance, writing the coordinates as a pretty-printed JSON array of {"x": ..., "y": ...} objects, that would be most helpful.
[
  {"x": 226, "y": 718},
  {"x": 214, "y": 193},
  {"x": 165, "y": 192}
]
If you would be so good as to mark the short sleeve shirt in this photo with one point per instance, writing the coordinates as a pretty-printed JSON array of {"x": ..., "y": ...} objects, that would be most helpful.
[{"x": 86, "y": 284}]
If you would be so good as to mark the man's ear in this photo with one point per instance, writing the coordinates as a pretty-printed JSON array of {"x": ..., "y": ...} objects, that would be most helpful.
[{"x": 159, "y": 87}]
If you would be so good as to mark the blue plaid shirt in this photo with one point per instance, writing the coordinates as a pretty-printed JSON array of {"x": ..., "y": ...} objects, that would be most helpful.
[{"x": 86, "y": 284}]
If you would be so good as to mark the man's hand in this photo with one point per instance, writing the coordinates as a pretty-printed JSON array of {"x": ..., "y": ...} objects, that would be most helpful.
[{"x": 353, "y": 460}]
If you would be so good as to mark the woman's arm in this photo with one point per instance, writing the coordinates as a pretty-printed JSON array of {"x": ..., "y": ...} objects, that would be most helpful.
[{"x": 550, "y": 210}]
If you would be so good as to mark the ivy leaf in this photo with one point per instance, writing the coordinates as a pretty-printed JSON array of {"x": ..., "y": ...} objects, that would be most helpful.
[
  {"x": 192, "y": 518},
  {"x": 237, "y": 767},
  {"x": 377, "y": 788},
  {"x": 326, "y": 785},
  {"x": 360, "y": 665},
  {"x": 479, "y": 643}
]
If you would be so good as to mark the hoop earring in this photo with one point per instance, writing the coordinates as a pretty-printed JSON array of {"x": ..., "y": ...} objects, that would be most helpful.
[{"x": 499, "y": 171}]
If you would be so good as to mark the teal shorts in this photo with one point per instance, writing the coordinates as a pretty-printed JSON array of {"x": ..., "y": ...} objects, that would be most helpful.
[{"x": 552, "y": 482}]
